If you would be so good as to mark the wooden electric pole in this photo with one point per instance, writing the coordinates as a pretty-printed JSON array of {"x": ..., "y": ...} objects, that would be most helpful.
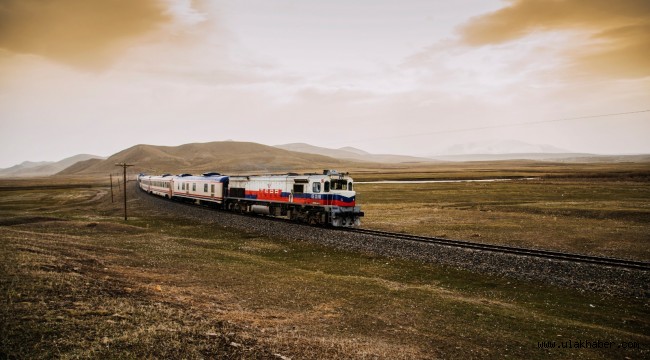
[
  {"x": 112, "y": 201},
  {"x": 124, "y": 166}
]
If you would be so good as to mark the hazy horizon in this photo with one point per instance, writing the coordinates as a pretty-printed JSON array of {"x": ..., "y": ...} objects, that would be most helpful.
[{"x": 412, "y": 77}]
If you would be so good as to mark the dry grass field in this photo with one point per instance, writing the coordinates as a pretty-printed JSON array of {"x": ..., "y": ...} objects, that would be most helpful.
[
  {"x": 604, "y": 216},
  {"x": 506, "y": 169},
  {"x": 77, "y": 281},
  {"x": 601, "y": 209}
]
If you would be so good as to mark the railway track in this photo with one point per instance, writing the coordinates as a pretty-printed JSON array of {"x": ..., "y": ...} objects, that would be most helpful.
[
  {"x": 546, "y": 254},
  {"x": 513, "y": 250}
]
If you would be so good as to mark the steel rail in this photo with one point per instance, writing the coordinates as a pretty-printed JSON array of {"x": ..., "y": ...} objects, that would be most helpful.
[{"x": 547, "y": 254}]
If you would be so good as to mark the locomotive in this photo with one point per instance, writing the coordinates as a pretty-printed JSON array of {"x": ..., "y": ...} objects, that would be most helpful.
[{"x": 321, "y": 199}]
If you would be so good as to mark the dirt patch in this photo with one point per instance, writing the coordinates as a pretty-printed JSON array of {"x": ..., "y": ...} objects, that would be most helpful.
[
  {"x": 19, "y": 220},
  {"x": 82, "y": 226},
  {"x": 60, "y": 303}
]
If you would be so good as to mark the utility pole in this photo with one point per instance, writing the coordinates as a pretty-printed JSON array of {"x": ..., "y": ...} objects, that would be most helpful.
[
  {"x": 124, "y": 166},
  {"x": 112, "y": 201}
]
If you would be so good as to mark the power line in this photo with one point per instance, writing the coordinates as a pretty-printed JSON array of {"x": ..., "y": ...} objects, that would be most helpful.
[
  {"x": 507, "y": 125},
  {"x": 536, "y": 122}
]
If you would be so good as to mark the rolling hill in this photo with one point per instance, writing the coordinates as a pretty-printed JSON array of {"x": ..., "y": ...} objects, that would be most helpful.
[{"x": 225, "y": 156}]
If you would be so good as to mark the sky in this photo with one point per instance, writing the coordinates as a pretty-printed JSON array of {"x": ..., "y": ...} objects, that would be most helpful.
[{"x": 413, "y": 77}]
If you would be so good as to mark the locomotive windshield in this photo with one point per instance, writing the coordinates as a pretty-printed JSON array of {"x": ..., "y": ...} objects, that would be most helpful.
[{"x": 341, "y": 185}]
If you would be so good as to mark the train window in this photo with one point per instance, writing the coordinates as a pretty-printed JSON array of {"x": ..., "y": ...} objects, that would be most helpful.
[
  {"x": 212, "y": 187},
  {"x": 298, "y": 188},
  {"x": 315, "y": 187},
  {"x": 327, "y": 186},
  {"x": 205, "y": 187},
  {"x": 193, "y": 186},
  {"x": 349, "y": 186}
]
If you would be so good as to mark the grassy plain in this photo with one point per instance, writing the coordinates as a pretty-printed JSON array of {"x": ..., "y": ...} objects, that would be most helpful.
[
  {"x": 506, "y": 169},
  {"x": 77, "y": 281},
  {"x": 601, "y": 209},
  {"x": 604, "y": 217}
]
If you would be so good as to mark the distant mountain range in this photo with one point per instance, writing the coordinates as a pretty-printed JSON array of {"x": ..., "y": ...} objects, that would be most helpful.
[
  {"x": 549, "y": 157},
  {"x": 499, "y": 150},
  {"x": 44, "y": 168},
  {"x": 500, "y": 147},
  {"x": 350, "y": 153},
  {"x": 246, "y": 157}
]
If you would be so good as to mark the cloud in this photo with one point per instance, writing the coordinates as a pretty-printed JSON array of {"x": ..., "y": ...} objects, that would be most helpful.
[
  {"x": 617, "y": 42},
  {"x": 84, "y": 33}
]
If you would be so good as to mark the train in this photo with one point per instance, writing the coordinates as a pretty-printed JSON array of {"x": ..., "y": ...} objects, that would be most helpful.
[{"x": 319, "y": 199}]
